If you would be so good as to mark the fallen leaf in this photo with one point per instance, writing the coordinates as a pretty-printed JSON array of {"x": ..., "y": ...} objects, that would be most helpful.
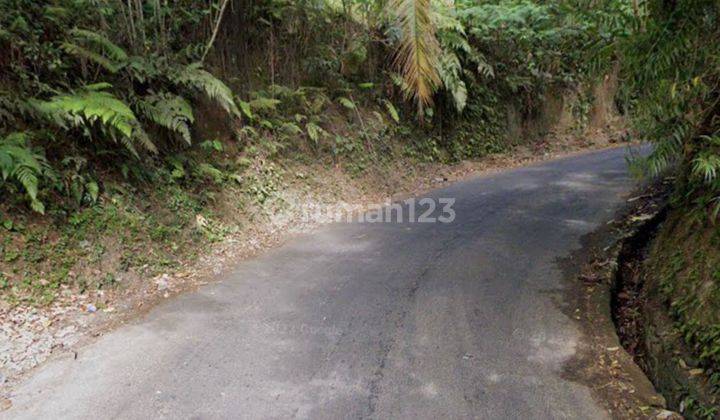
[
  {"x": 5, "y": 404},
  {"x": 642, "y": 217}
]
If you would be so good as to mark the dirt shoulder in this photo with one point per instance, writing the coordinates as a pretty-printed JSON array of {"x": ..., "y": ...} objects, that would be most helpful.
[{"x": 602, "y": 363}]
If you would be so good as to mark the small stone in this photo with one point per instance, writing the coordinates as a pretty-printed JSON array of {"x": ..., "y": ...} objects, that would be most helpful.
[
  {"x": 664, "y": 415},
  {"x": 163, "y": 282},
  {"x": 91, "y": 308},
  {"x": 696, "y": 372}
]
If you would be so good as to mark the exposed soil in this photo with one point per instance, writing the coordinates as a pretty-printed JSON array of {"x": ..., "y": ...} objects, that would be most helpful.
[
  {"x": 628, "y": 295},
  {"x": 636, "y": 362},
  {"x": 602, "y": 363},
  {"x": 648, "y": 332}
]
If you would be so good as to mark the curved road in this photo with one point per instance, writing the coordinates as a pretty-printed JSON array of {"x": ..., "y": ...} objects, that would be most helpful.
[{"x": 385, "y": 320}]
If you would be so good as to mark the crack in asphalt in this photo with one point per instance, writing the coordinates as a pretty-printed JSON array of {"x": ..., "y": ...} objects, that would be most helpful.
[{"x": 385, "y": 349}]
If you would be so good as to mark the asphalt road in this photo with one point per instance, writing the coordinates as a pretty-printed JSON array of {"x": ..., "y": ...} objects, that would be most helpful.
[{"x": 384, "y": 320}]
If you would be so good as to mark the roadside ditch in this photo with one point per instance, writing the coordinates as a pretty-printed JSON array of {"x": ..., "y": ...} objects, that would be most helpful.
[
  {"x": 635, "y": 360},
  {"x": 646, "y": 328}
]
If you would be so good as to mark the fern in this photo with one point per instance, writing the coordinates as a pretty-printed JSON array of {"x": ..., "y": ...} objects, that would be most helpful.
[
  {"x": 706, "y": 166},
  {"x": 670, "y": 86},
  {"x": 347, "y": 103},
  {"x": 9, "y": 107},
  {"x": 101, "y": 42},
  {"x": 193, "y": 76},
  {"x": 96, "y": 48},
  {"x": 449, "y": 69},
  {"x": 21, "y": 164},
  {"x": 169, "y": 111},
  {"x": 92, "y": 106},
  {"x": 262, "y": 103},
  {"x": 209, "y": 172},
  {"x": 315, "y": 132}
]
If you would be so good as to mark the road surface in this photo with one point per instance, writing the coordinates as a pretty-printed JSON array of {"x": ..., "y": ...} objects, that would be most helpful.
[{"x": 383, "y": 320}]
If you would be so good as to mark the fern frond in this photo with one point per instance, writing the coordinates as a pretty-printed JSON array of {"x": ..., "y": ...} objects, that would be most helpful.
[
  {"x": 95, "y": 106},
  {"x": 143, "y": 69},
  {"x": 208, "y": 171},
  {"x": 140, "y": 137},
  {"x": 92, "y": 56},
  {"x": 169, "y": 111},
  {"x": 449, "y": 69},
  {"x": 262, "y": 103},
  {"x": 193, "y": 76},
  {"x": 91, "y": 106},
  {"x": 315, "y": 132},
  {"x": 706, "y": 166},
  {"x": 101, "y": 42},
  {"x": 23, "y": 165},
  {"x": 8, "y": 108},
  {"x": 392, "y": 111},
  {"x": 96, "y": 48}
]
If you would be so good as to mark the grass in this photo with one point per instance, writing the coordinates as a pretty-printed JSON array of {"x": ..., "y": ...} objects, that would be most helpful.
[{"x": 90, "y": 247}]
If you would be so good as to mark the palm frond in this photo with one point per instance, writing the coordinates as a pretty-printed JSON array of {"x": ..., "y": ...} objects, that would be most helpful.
[{"x": 419, "y": 52}]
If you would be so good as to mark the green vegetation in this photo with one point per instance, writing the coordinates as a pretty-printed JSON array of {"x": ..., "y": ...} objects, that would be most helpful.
[
  {"x": 71, "y": 98},
  {"x": 96, "y": 90},
  {"x": 671, "y": 67},
  {"x": 670, "y": 71},
  {"x": 133, "y": 134},
  {"x": 683, "y": 275},
  {"x": 147, "y": 124}
]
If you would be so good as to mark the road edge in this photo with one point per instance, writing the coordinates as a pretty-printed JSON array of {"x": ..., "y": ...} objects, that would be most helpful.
[{"x": 601, "y": 363}]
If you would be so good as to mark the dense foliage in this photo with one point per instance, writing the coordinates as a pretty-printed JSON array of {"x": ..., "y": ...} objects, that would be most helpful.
[
  {"x": 671, "y": 69},
  {"x": 70, "y": 94},
  {"x": 84, "y": 79},
  {"x": 672, "y": 73},
  {"x": 94, "y": 88}
]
